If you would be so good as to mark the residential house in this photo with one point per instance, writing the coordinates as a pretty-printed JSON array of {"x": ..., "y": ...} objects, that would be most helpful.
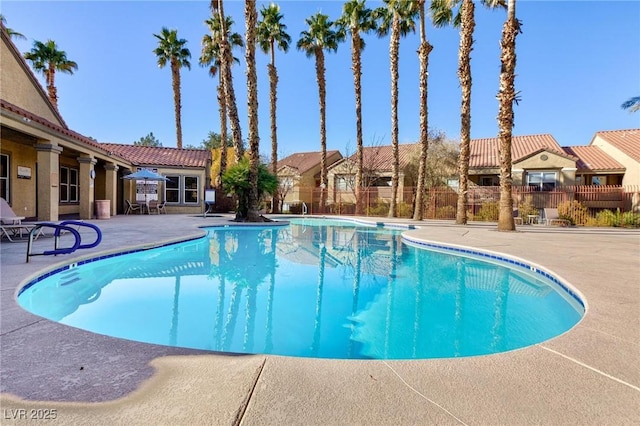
[
  {"x": 299, "y": 176},
  {"x": 623, "y": 146},
  {"x": 48, "y": 170}
]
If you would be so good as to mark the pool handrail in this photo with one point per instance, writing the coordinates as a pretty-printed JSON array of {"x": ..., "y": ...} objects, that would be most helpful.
[{"x": 59, "y": 227}]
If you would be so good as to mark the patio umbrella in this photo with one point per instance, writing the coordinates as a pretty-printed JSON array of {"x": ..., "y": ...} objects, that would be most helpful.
[{"x": 145, "y": 175}]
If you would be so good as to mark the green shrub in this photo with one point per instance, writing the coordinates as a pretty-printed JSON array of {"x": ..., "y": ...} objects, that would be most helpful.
[
  {"x": 526, "y": 207},
  {"x": 573, "y": 211},
  {"x": 446, "y": 212},
  {"x": 617, "y": 219},
  {"x": 404, "y": 210},
  {"x": 489, "y": 211},
  {"x": 379, "y": 208},
  {"x": 630, "y": 220}
]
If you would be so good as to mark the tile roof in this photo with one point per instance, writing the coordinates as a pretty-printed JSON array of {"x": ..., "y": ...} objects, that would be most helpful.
[
  {"x": 304, "y": 161},
  {"x": 160, "y": 156},
  {"x": 484, "y": 152},
  {"x": 627, "y": 141},
  {"x": 592, "y": 158},
  {"x": 381, "y": 157},
  {"x": 7, "y": 106}
]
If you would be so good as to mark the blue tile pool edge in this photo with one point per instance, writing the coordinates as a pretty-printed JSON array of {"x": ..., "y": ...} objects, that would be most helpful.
[{"x": 508, "y": 260}]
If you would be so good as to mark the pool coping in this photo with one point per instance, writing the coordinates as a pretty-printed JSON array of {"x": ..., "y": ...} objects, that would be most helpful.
[{"x": 560, "y": 381}]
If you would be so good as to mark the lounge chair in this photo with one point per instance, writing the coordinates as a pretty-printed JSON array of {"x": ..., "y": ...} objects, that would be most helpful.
[
  {"x": 516, "y": 217},
  {"x": 11, "y": 225},
  {"x": 132, "y": 207},
  {"x": 551, "y": 217}
]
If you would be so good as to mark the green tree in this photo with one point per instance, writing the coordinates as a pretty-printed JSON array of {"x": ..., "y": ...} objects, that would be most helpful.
[
  {"x": 398, "y": 17},
  {"x": 632, "y": 104},
  {"x": 47, "y": 59},
  {"x": 236, "y": 180},
  {"x": 357, "y": 19},
  {"x": 12, "y": 33},
  {"x": 313, "y": 42},
  {"x": 172, "y": 50},
  {"x": 211, "y": 56},
  {"x": 149, "y": 140},
  {"x": 442, "y": 12},
  {"x": 271, "y": 33},
  {"x": 213, "y": 141},
  {"x": 423, "y": 56},
  {"x": 507, "y": 96}
]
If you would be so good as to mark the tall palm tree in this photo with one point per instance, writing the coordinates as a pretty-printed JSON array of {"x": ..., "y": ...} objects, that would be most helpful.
[
  {"x": 442, "y": 12},
  {"x": 320, "y": 37},
  {"x": 172, "y": 50},
  {"x": 507, "y": 96},
  {"x": 251, "y": 20},
  {"x": 226, "y": 56},
  {"x": 272, "y": 33},
  {"x": 47, "y": 59},
  {"x": 357, "y": 19},
  {"x": 12, "y": 34},
  {"x": 211, "y": 57},
  {"x": 398, "y": 17},
  {"x": 423, "y": 56}
]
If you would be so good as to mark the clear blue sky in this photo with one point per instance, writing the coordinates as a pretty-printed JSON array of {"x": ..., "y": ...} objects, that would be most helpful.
[{"x": 577, "y": 62}]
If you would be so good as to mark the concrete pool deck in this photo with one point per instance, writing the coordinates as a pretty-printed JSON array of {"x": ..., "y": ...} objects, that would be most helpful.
[{"x": 587, "y": 376}]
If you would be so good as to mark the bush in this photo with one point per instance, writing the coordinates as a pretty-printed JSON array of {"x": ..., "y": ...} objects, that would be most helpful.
[
  {"x": 489, "y": 212},
  {"x": 378, "y": 208},
  {"x": 446, "y": 212},
  {"x": 573, "y": 211},
  {"x": 404, "y": 210},
  {"x": 527, "y": 208},
  {"x": 617, "y": 219}
]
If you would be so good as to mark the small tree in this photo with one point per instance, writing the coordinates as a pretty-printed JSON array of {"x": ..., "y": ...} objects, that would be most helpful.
[
  {"x": 149, "y": 140},
  {"x": 236, "y": 181}
]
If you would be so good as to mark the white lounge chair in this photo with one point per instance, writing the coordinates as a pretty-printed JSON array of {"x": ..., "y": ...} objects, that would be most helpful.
[
  {"x": 551, "y": 217},
  {"x": 11, "y": 225}
]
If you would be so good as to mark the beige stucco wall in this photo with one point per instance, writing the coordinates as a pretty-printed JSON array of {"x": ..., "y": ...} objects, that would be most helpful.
[
  {"x": 22, "y": 191},
  {"x": 566, "y": 168},
  {"x": 19, "y": 88},
  {"x": 632, "y": 174}
]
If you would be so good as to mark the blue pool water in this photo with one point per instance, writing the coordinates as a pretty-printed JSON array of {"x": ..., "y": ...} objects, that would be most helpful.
[{"x": 327, "y": 289}]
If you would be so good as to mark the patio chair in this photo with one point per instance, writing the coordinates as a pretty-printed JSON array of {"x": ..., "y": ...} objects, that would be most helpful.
[
  {"x": 11, "y": 225},
  {"x": 131, "y": 207},
  {"x": 516, "y": 217},
  {"x": 161, "y": 207},
  {"x": 551, "y": 217},
  {"x": 153, "y": 206}
]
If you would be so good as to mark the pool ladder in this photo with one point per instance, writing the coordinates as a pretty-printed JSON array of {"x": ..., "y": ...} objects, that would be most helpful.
[{"x": 59, "y": 228}]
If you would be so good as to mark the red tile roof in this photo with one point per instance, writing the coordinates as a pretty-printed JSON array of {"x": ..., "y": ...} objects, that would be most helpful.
[
  {"x": 592, "y": 158},
  {"x": 381, "y": 157},
  {"x": 484, "y": 152},
  {"x": 304, "y": 161},
  {"x": 627, "y": 141},
  {"x": 160, "y": 156}
]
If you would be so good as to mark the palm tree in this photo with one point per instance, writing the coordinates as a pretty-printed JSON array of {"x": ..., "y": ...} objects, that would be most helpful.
[
  {"x": 12, "y": 33},
  {"x": 226, "y": 56},
  {"x": 423, "y": 55},
  {"x": 320, "y": 37},
  {"x": 251, "y": 18},
  {"x": 272, "y": 32},
  {"x": 442, "y": 14},
  {"x": 211, "y": 57},
  {"x": 507, "y": 96},
  {"x": 357, "y": 19},
  {"x": 47, "y": 59},
  {"x": 398, "y": 17},
  {"x": 172, "y": 50},
  {"x": 632, "y": 104}
]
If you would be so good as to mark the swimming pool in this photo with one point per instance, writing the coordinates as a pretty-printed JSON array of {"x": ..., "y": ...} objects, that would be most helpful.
[{"x": 327, "y": 289}]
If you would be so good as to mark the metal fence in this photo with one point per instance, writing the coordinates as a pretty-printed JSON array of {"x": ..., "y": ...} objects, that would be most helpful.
[{"x": 609, "y": 205}]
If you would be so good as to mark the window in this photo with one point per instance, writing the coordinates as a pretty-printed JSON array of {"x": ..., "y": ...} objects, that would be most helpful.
[
  {"x": 542, "y": 181},
  {"x": 4, "y": 176},
  {"x": 68, "y": 185},
  {"x": 342, "y": 183},
  {"x": 182, "y": 189}
]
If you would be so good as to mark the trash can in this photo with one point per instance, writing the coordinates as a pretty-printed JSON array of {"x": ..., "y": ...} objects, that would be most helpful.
[{"x": 103, "y": 209}]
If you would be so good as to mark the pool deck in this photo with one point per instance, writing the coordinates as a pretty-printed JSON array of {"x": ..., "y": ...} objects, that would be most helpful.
[{"x": 587, "y": 376}]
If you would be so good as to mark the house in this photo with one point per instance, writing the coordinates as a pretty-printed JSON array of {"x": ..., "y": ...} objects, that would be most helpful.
[
  {"x": 623, "y": 146},
  {"x": 377, "y": 172},
  {"x": 299, "y": 174},
  {"x": 48, "y": 170}
]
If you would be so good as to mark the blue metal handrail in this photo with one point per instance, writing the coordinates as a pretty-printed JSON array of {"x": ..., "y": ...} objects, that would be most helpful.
[{"x": 59, "y": 227}]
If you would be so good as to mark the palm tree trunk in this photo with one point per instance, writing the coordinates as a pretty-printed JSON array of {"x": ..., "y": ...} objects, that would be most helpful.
[
  {"x": 51, "y": 85},
  {"x": 273, "y": 97},
  {"x": 506, "y": 97},
  {"x": 423, "y": 56},
  {"x": 322, "y": 93},
  {"x": 357, "y": 74},
  {"x": 394, "y": 45},
  {"x": 467, "y": 26},
  {"x": 252, "y": 109},
  {"x": 223, "y": 131},
  {"x": 175, "y": 80}
]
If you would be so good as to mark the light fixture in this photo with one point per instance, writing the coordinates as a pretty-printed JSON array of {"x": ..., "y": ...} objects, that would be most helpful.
[{"x": 26, "y": 120}]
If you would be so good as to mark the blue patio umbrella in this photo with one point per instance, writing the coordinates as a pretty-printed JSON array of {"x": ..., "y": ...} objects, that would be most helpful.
[{"x": 146, "y": 175}]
